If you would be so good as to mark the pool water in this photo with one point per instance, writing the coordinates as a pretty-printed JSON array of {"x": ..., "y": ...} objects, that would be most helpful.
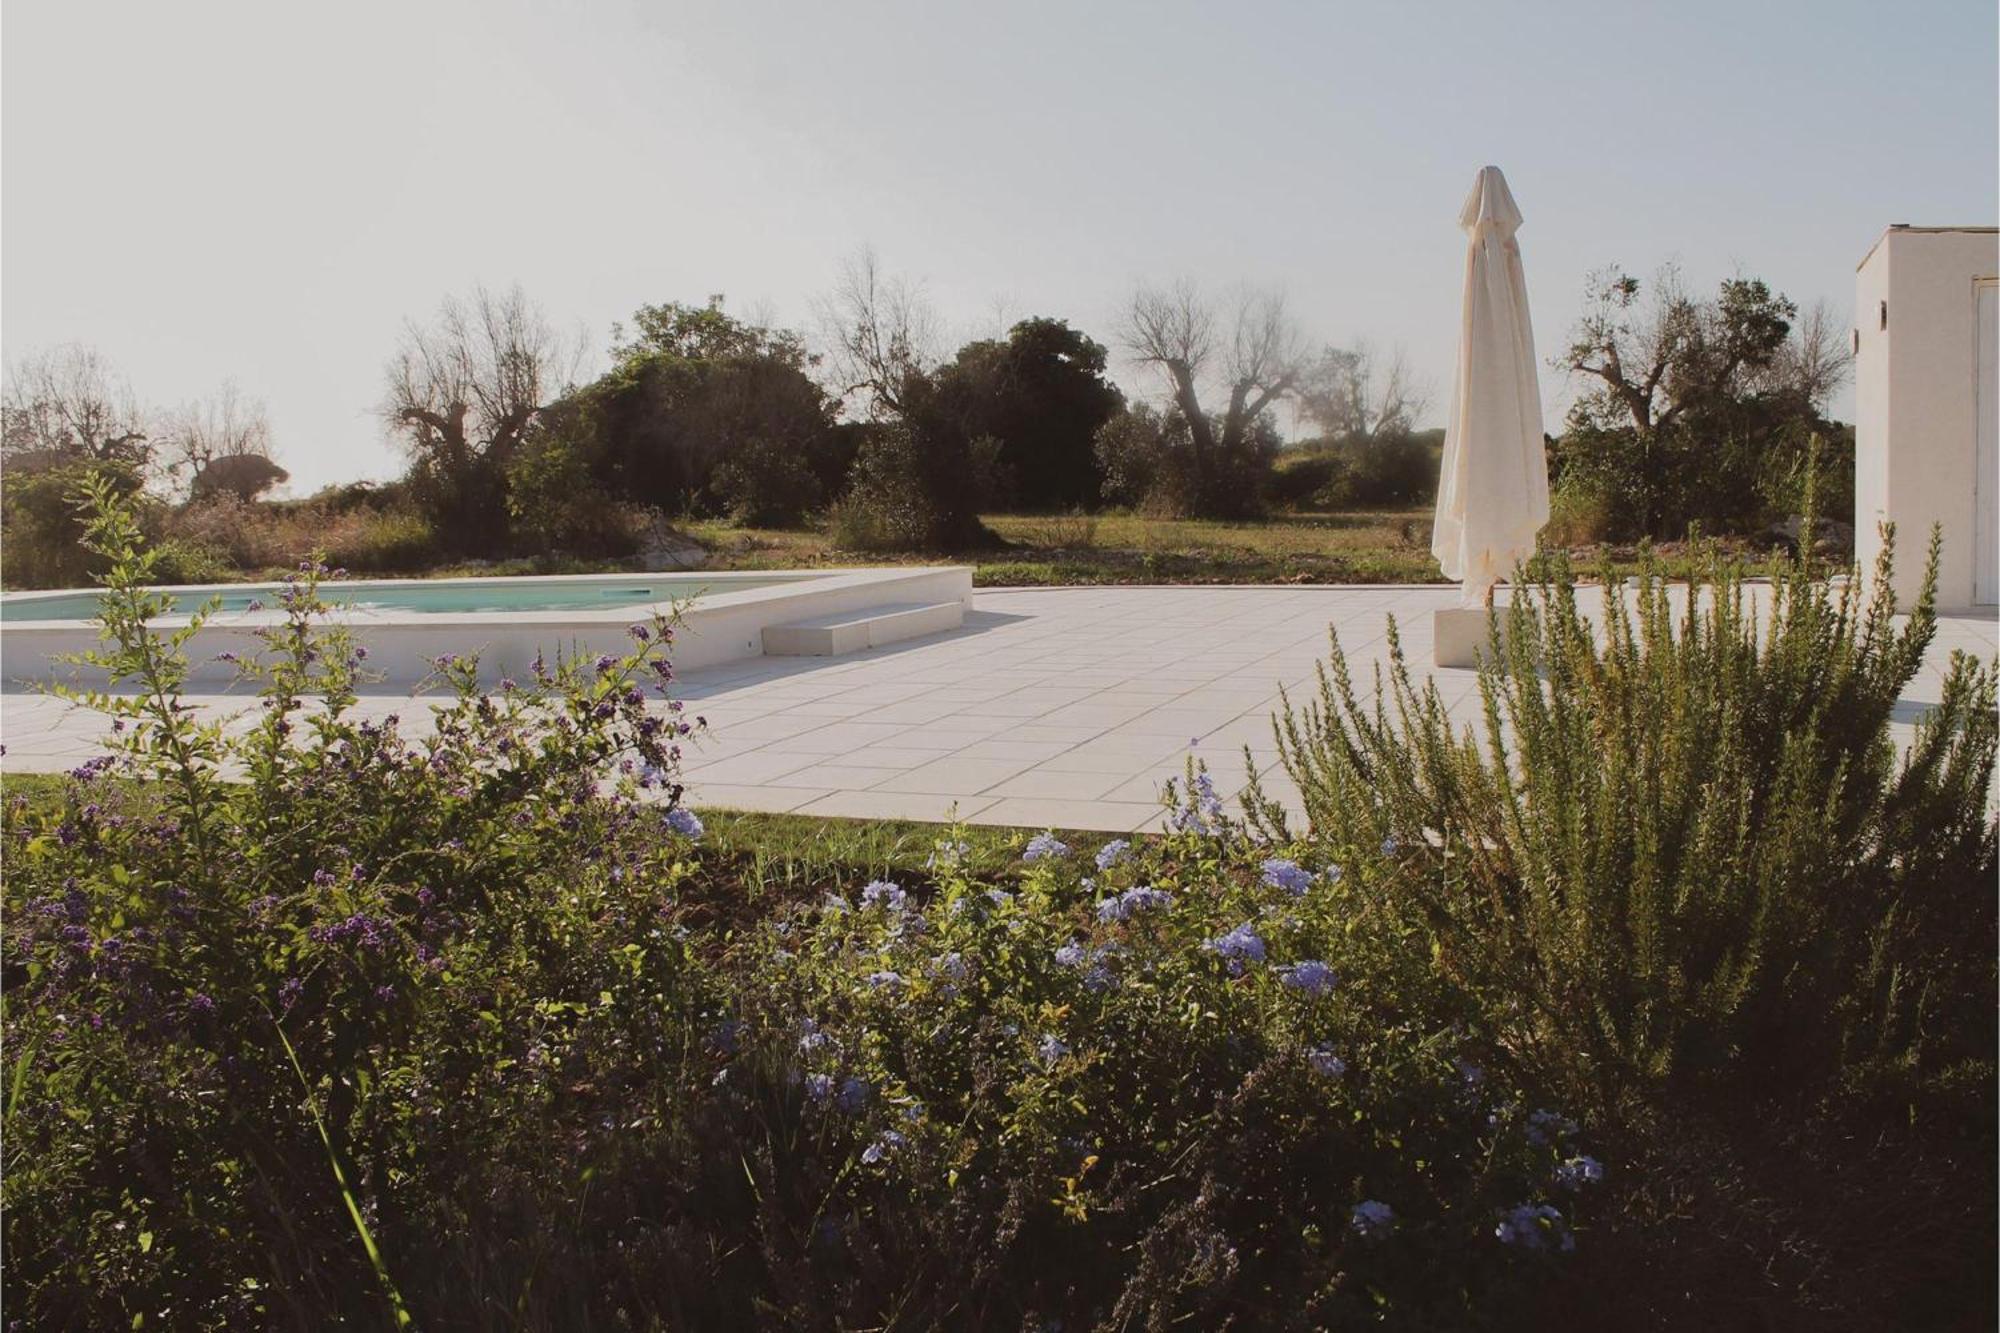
[{"x": 410, "y": 595}]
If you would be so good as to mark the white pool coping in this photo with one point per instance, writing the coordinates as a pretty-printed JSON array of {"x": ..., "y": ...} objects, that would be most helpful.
[{"x": 717, "y": 626}]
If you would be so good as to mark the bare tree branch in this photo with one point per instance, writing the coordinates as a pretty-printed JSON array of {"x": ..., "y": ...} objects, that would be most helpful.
[{"x": 882, "y": 336}]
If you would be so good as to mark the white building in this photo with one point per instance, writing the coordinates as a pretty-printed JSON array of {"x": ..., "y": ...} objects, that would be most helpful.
[{"x": 1926, "y": 404}]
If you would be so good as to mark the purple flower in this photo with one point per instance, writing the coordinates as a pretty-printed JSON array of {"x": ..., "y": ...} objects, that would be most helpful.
[
  {"x": 1287, "y": 875},
  {"x": 1240, "y": 945},
  {"x": 639, "y": 632},
  {"x": 884, "y": 894},
  {"x": 1051, "y": 1049},
  {"x": 684, "y": 822},
  {"x": 201, "y": 1004},
  {"x": 1312, "y": 976},
  {"x": 950, "y": 966},
  {"x": 1325, "y": 1063},
  {"x": 1200, "y": 811},
  {"x": 1579, "y": 1171},
  {"x": 1372, "y": 1219},
  {"x": 1044, "y": 845},
  {"x": 1140, "y": 898},
  {"x": 1111, "y": 853},
  {"x": 1072, "y": 955},
  {"x": 886, "y": 1145},
  {"x": 1535, "y": 1226},
  {"x": 885, "y": 980},
  {"x": 819, "y": 1087}
]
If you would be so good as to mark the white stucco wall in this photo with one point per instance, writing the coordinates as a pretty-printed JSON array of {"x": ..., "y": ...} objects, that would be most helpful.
[{"x": 1915, "y": 386}]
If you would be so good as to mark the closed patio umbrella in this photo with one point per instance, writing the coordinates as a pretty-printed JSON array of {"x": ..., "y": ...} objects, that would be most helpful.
[{"x": 1493, "y": 486}]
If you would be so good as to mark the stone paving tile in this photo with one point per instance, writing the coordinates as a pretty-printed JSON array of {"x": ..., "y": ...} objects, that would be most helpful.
[{"x": 1065, "y": 706}]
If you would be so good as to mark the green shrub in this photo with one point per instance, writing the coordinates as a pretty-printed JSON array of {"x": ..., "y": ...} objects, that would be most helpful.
[
  {"x": 280, "y": 1003},
  {"x": 188, "y": 562},
  {"x": 1682, "y": 847},
  {"x": 766, "y": 483},
  {"x": 461, "y": 1029},
  {"x": 909, "y": 493},
  {"x": 1301, "y": 475},
  {"x": 360, "y": 535},
  {"x": 41, "y": 532}
]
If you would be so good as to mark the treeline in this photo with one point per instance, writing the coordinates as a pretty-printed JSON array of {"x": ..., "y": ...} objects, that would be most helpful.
[{"x": 1696, "y": 410}]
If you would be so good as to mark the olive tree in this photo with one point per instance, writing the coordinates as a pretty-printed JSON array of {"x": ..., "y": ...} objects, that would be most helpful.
[{"x": 463, "y": 391}]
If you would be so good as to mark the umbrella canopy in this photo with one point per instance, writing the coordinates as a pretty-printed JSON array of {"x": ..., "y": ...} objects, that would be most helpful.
[{"x": 1493, "y": 487}]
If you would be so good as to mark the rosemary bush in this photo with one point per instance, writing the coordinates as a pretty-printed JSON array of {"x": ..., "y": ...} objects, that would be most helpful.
[{"x": 1681, "y": 844}]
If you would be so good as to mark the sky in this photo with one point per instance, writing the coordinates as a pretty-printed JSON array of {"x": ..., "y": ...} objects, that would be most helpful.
[{"x": 211, "y": 190}]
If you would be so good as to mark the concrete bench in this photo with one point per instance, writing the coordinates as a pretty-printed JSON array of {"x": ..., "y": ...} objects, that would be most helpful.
[{"x": 851, "y": 631}]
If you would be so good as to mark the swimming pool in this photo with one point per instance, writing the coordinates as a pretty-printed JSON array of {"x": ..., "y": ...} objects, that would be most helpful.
[
  {"x": 407, "y": 624},
  {"x": 419, "y": 597}
]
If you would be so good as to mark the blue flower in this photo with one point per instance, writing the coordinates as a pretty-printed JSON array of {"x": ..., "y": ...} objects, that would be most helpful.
[
  {"x": 1312, "y": 976},
  {"x": 1111, "y": 853},
  {"x": 1534, "y": 1226},
  {"x": 1200, "y": 811},
  {"x": 853, "y": 1096},
  {"x": 1140, "y": 898},
  {"x": 1072, "y": 954},
  {"x": 1390, "y": 845},
  {"x": 1239, "y": 945},
  {"x": 885, "y": 1146},
  {"x": 1372, "y": 1218},
  {"x": 999, "y": 897},
  {"x": 950, "y": 966},
  {"x": 885, "y": 980},
  {"x": 884, "y": 894},
  {"x": 684, "y": 822},
  {"x": 1045, "y": 845},
  {"x": 1470, "y": 1073},
  {"x": 1325, "y": 1063},
  {"x": 819, "y": 1087},
  {"x": 1287, "y": 875},
  {"x": 1579, "y": 1171},
  {"x": 948, "y": 853},
  {"x": 1051, "y": 1049}
]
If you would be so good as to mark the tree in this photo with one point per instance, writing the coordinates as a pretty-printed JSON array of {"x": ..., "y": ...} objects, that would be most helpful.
[
  {"x": 463, "y": 391},
  {"x": 223, "y": 445},
  {"x": 693, "y": 393},
  {"x": 1257, "y": 361},
  {"x": 922, "y": 472},
  {"x": 704, "y": 333},
  {"x": 68, "y": 404},
  {"x": 882, "y": 337},
  {"x": 1343, "y": 394},
  {"x": 1696, "y": 408},
  {"x": 1041, "y": 394}
]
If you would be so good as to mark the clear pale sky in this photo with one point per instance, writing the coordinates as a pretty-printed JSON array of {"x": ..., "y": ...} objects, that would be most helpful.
[{"x": 265, "y": 191}]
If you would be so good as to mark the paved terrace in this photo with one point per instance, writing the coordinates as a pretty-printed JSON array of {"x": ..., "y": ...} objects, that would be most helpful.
[{"x": 1051, "y": 707}]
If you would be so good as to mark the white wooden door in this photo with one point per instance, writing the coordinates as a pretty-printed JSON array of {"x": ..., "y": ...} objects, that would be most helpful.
[{"x": 1986, "y": 491}]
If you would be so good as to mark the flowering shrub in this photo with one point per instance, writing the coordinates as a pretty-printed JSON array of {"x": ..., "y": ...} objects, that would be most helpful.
[
  {"x": 317, "y": 1022},
  {"x": 1138, "y": 1096}
]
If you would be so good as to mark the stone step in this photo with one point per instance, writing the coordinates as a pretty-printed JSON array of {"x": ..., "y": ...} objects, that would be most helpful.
[{"x": 851, "y": 631}]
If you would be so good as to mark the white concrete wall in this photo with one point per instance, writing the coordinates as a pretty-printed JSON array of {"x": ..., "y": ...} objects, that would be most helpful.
[{"x": 1914, "y": 400}]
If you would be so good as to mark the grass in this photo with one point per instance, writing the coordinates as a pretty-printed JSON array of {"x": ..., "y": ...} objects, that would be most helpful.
[{"x": 1384, "y": 546}]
